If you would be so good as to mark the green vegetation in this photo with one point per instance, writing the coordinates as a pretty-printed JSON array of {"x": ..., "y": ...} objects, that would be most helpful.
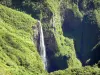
[
  {"x": 65, "y": 45},
  {"x": 97, "y": 3},
  {"x": 80, "y": 40},
  {"x": 78, "y": 71},
  {"x": 18, "y": 54}
]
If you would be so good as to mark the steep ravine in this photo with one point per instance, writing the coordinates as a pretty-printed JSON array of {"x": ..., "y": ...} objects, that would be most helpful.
[
  {"x": 48, "y": 11},
  {"x": 71, "y": 34},
  {"x": 66, "y": 22},
  {"x": 75, "y": 25},
  {"x": 84, "y": 30},
  {"x": 84, "y": 34}
]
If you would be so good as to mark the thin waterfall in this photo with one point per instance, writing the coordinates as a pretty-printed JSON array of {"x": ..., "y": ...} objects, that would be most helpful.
[{"x": 42, "y": 46}]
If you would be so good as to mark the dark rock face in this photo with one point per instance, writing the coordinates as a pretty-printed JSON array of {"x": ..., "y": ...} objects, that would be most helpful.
[
  {"x": 51, "y": 48},
  {"x": 71, "y": 23},
  {"x": 89, "y": 36},
  {"x": 58, "y": 63},
  {"x": 50, "y": 43},
  {"x": 85, "y": 34},
  {"x": 95, "y": 56},
  {"x": 72, "y": 28}
]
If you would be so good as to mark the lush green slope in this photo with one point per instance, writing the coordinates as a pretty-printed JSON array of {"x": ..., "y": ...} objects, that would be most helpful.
[
  {"x": 78, "y": 71},
  {"x": 18, "y": 54}
]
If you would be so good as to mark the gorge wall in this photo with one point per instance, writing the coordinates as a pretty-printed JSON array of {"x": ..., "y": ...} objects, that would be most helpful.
[
  {"x": 69, "y": 20},
  {"x": 70, "y": 27}
]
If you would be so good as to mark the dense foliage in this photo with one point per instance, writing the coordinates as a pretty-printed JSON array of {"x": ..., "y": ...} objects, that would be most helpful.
[{"x": 18, "y": 54}]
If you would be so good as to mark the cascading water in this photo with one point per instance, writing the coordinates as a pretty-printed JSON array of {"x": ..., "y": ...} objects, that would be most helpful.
[{"x": 42, "y": 46}]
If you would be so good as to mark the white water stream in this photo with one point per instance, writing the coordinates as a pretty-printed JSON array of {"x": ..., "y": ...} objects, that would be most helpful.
[{"x": 42, "y": 46}]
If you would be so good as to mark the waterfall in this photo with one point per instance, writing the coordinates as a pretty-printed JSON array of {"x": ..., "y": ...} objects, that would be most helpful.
[{"x": 42, "y": 45}]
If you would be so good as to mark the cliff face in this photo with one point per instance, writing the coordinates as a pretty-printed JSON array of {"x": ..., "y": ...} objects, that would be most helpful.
[
  {"x": 81, "y": 24},
  {"x": 73, "y": 27},
  {"x": 71, "y": 30},
  {"x": 65, "y": 52}
]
